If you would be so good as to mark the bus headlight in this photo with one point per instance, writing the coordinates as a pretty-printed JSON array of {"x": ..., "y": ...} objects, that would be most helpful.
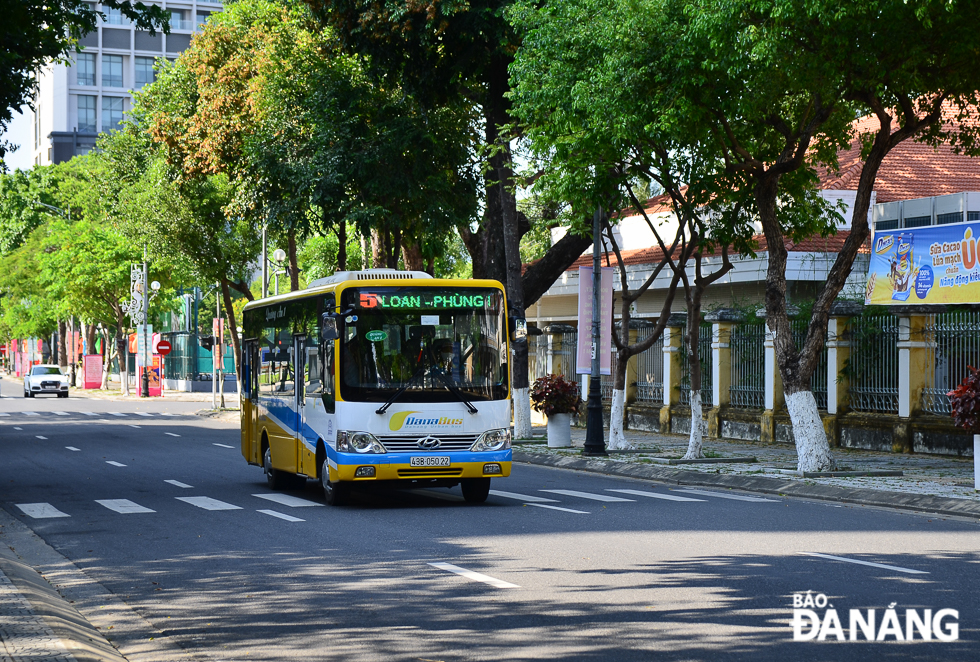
[
  {"x": 492, "y": 440},
  {"x": 358, "y": 442}
]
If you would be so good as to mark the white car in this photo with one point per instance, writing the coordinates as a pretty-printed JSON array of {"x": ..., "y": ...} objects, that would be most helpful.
[{"x": 46, "y": 379}]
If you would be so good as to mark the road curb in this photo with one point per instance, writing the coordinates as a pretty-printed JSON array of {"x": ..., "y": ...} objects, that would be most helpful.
[{"x": 859, "y": 496}]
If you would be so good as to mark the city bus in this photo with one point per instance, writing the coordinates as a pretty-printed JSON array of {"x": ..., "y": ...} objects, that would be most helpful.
[{"x": 378, "y": 377}]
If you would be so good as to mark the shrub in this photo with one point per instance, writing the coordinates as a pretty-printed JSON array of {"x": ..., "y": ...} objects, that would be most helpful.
[
  {"x": 965, "y": 401},
  {"x": 552, "y": 394}
]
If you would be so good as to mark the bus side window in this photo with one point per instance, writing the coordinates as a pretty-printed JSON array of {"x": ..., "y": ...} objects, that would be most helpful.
[{"x": 327, "y": 363}]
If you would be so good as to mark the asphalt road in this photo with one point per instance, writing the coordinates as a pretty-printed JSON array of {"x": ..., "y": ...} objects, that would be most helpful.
[{"x": 162, "y": 511}]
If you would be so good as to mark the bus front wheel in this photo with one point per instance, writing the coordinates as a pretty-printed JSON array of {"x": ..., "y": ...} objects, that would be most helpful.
[
  {"x": 335, "y": 494},
  {"x": 475, "y": 490}
]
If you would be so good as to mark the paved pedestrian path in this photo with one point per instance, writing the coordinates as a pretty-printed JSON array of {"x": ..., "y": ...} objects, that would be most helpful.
[{"x": 926, "y": 475}]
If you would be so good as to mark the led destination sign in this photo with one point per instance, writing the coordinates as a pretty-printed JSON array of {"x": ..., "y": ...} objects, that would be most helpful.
[{"x": 438, "y": 300}]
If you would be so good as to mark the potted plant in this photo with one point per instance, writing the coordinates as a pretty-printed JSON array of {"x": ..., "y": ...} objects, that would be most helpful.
[
  {"x": 558, "y": 399},
  {"x": 965, "y": 403}
]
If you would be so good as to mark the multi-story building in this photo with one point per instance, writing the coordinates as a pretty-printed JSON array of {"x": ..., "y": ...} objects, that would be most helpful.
[{"x": 78, "y": 100}]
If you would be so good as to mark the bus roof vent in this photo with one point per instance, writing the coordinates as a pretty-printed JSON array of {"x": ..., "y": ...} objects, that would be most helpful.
[{"x": 370, "y": 274}]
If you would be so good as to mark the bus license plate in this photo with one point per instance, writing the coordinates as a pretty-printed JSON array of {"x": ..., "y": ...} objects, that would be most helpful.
[{"x": 442, "y": 461}]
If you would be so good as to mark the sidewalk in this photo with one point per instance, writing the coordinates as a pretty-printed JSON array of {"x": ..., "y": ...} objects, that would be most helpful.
[
  {"x": 231, "y": 399},
  {"x": 929, "y": 483}
]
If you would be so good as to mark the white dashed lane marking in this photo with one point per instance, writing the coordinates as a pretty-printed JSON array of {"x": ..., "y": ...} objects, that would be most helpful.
[
  {"x": 41, "y": 510},
  {"x": 4, "y": 414},
  {"x": 143, "y": 413},
  {"x": 116, "y": 413},
  {"x": 124, "y": 506},
  {"x": 114, "y": 463},
  {"x": 564, "y": 510},
  {"x": 72, "y": 448},
  {"x": 522, "y": 497},
  {"x": 867, "y": 563},
  {"x": 588, "y": 495},
  {"x": 475, "y": 576},
  {"x": 224, "y": 445},
  {"x": 656, "y": 495},
  {"x": 288, "y": 518},
  {"x": 177, "y": 483},
  {"x": 134, "y": 426},
  {"x": 733, "y": 497},
  {"x": 40, "y": 437},
  {"x": 31, "y": 413},
  {"x": 21, "y": 429},
  {"x": 171, "y": 434},
  {"x": 207, "y": 503},
  {"x": 61, "y": 413},
  {"x": 287, "y": 500},
  {"x": 91, "y": 413}
]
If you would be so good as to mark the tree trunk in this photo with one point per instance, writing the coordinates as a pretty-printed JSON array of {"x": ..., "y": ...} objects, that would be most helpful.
[
  {"x": 62, "y": 344},
  {"x": 293, "y": 264},
  {"x": 341, "y": 246},
  {"x": 90, "y": 337},
  {"x": 235, "y": 341},
  {"x": 396, "y": 249},
  {"x": 412, "y": 257},
  {"x": 106, "y": 359},
  {"x": 123, "y": 363},
  {"x": 694, "y": 444},
  {"x": 695, "y": 449},
  {"x": 378, "y": 248}
]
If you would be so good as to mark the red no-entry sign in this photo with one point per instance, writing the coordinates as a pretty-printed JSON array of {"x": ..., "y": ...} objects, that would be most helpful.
[{"x": 163, "y": 347}]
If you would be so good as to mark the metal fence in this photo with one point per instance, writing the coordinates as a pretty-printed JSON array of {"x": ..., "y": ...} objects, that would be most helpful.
[
  {"x": 748, "y": 346},
  {"x": 704, "y": 350},
  {"x": 180, "y": 363},
  {"x": 818, "y": 382},
  {"x": 953, "y": 344},
  {"x": 873, "y": 366},
  {"x": 650, "y": 370}
]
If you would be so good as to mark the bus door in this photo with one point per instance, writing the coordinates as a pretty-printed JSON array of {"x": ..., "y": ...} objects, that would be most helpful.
[
  {"x": 299, "y": 352},
  {"x": 254, "y": 353}
]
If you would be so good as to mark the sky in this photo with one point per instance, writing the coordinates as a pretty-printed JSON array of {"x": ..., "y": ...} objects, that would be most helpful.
[{"x": 19, "y": 132}]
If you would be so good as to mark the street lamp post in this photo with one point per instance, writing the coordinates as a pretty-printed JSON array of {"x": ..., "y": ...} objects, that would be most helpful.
[
  {"x": 278, "y": 257},
  {"x": 155, "y": 286},
  {"x": 594, "y": 442}
]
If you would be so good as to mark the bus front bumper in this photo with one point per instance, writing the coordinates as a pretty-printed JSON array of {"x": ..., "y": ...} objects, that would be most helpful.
[{"x": 399, "y": 466}]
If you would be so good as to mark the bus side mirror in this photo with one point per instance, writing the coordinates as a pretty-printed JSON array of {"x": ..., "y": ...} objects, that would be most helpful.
[
  {"x": 328, "y": 328},
  {"x": 518, "y": 329}
]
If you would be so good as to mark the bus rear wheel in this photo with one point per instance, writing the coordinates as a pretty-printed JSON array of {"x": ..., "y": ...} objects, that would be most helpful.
[
  {"x": 335, "y": 494},
  {"x": 475, "y": 490},
  {"x": 276, "y": 479}
]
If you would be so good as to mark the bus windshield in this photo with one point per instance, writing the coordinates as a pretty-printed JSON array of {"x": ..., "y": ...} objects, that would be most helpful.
[{"x": 429, "y": 341}]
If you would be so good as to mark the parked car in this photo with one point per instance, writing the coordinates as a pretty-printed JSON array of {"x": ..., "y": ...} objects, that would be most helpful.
[{"x": 46, "y": 379}]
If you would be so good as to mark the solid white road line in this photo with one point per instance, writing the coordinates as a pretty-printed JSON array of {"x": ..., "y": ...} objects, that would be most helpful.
[
  {"x": 60, "y": 413},
  {"x": 589, "y": 495},
  {"x": 288, "y": 518},
  {"x": 177, "y": 483},
  {"x": 114, "y": 463},
  {"x": 72, "y": 448},
  {"x": 287, "y": 500},
  {"x": 124, "y": 506},
  {"x": 171, "y": 434},
  {"x": 116, "y": 413},
  {"x": 867, "y": 563},
  {"x": 41, "y": 510},
  {"x": 207, "y": 503},
  {"x": 564, "y": 510},
  {"x": 143, "y": 413},
  {"x": 40, "y": 437},
  {"x": 522, "y": 497},
  {"x": 656, "y": 495},
  {"x": 224, "y": 445},
  {"x": 733, "y": 497},
  {"x": 475, "y": 576}
]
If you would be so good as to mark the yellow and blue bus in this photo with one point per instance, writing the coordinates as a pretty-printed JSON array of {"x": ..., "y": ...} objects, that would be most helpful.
[{"x": 378, "y": 377}]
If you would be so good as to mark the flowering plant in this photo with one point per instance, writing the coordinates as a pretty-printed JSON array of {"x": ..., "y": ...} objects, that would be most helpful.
[
  {"x": 552, "y": 394},
  {"x": 965, "y": 402}
]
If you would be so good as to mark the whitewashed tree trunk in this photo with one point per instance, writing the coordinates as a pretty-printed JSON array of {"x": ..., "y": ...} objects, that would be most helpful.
[
  {"x": 522, "y": 413},
  {"x": 812, "y": 448},
  {"x": 617, "y": 440},
  {"x": 695, "y": 444}
]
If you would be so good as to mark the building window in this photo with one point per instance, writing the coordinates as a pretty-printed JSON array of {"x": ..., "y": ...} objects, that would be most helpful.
[
  {"x": 202, "y": 18},
  {"x": 86, "y": 69},
  {"x": 144, "y": 71},
  {"x": 113, "y": 16},
  {"x": 112, "y": 113},
  {"x": 112, "y": 70},
  {"x": 177, "y": 20},
  {"x": 86, "y": 114},
  {"x": 918, "y": 221}
]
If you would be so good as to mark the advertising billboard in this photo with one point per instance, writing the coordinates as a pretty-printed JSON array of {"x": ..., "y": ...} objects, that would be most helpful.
[{"x": 933, "y": 264}]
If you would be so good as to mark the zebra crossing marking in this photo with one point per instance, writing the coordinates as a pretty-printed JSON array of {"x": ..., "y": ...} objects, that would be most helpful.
[
  {"x": 177, "y": 483},
  {"x": 589, "y": 495},
  {"x": 207, "y": 503},
  {"x": 123, "y": 506},
  {"x": 733, "y": 497},
  {"x": 288, "y": 518},
  {"x": 114, "y": 463},
  {"x": 657, "y": 495},
  {"x": 287, "y": 500},
  {"x": 522, "y": 497},
  {"x": 41, "y": 510}
]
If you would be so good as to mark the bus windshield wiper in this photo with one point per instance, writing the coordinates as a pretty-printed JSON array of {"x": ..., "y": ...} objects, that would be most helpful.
[
  {"x": 450, "y": 385},
  {"x": 397, "y": 394}
]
